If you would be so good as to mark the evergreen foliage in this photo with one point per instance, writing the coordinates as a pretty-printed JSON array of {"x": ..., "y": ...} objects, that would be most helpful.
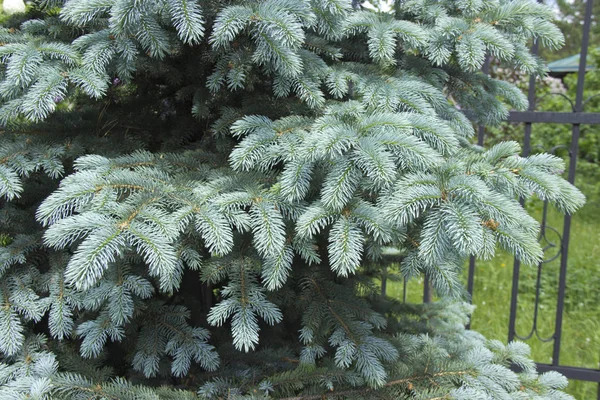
[
  {"x": 196, "y": 196},
  {"x": 569, "y": 15}
]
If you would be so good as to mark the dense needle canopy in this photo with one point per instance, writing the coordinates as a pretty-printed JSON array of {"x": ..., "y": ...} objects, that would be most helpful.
[{"x": 198, "y": 195}]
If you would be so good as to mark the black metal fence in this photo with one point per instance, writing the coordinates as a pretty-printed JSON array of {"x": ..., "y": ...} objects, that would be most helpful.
[{"x": 576, "y": 118}]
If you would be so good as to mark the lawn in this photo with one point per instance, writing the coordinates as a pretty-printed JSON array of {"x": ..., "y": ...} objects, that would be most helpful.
[{"x": 581, "y": 323}]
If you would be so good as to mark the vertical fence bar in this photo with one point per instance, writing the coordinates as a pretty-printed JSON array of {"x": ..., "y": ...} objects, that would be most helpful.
[
  {"x": 574, "y": 151},
  {"x": 384, "y": 281},
  {"x": 526, "y": 150},
  {"x": 471, "y": 281},
  {"x": 426, "y": 290},
  {"x": 480, "y": 137},
  {"x": 471, "y": 275}
]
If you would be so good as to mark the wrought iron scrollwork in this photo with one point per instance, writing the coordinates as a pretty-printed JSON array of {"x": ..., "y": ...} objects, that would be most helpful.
[{"x": 543, "y": 237}]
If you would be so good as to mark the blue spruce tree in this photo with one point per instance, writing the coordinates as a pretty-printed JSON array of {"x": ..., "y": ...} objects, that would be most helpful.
[{"x": 195, "y": 196}]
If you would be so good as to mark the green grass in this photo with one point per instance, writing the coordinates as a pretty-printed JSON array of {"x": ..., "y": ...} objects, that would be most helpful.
[{"x": 580, "y": 344}]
